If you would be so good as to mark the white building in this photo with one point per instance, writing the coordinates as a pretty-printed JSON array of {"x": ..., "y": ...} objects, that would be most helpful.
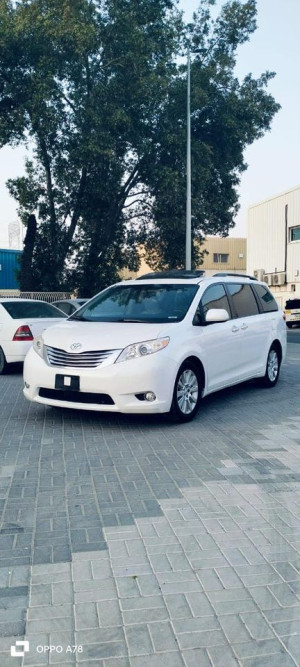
[{"x": 273, "y": 246}]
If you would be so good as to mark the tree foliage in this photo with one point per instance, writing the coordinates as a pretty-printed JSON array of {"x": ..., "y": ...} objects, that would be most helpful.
[
  {"x": 97, "y": 90},
  {"x": 226, "y": 116}
]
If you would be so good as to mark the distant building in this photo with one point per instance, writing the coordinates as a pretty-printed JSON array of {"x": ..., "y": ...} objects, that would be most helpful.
[
  {"x": 9, "y": 264},
  {"x": 274, "y": 243},
  {"x": 224, "y": 255}
]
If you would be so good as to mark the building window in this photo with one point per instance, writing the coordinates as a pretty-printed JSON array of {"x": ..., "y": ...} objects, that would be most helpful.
[
  {"x": 294, "y": 233},
  {"x": 220, "y": 258}
]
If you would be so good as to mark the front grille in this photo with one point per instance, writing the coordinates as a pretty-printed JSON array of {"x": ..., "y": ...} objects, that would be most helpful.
[
  {"x": 76, "y": 396},
  {"x": 91, "y": 359}
]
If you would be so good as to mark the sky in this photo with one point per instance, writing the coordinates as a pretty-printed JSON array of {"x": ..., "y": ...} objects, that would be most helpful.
[{"x": 273, "y": 161}]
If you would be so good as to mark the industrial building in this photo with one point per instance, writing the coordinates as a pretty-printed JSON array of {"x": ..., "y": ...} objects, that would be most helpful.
[
  {"x": 273, "y": 244},
  {"x": 9, "y": 265}
]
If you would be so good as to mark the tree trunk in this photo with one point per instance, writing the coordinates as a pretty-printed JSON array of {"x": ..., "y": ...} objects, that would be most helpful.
[{"x": 25, "y": 276}]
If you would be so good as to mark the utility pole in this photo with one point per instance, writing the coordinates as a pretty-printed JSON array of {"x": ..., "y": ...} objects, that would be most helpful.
[{"x": 188, "y": 238}]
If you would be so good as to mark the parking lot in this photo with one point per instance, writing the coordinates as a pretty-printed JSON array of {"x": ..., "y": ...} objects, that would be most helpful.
[{"x": 129, "y": 541}]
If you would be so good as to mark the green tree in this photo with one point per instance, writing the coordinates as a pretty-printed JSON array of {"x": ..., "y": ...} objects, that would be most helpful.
[
  {"x": 98, "y": 91},
  {"x": 82, "y": 81},
  {"x": 226, "y": 117}
]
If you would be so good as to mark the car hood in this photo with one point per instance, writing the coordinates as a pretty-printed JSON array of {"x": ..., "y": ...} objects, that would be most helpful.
[{"x": 100, "y": 335}]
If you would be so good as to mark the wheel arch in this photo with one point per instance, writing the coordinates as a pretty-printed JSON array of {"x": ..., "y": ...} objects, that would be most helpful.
[
  {"x": 199, "y": 367},
  {"x": 3, "y": 365},
  {"x": 277, "y": 346}
]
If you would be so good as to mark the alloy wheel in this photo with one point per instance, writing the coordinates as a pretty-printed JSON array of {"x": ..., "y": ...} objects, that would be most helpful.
[{"x": 187, "y": 391}]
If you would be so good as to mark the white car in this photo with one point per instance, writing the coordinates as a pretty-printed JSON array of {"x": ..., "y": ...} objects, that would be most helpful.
[
  {"x": 159, "y": 344},
  {"x": 292, "y": 312},
  {"x": 20, "y": 321}
]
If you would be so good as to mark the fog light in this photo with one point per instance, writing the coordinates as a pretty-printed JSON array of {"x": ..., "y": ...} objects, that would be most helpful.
[{"x": 150, "y": 396}]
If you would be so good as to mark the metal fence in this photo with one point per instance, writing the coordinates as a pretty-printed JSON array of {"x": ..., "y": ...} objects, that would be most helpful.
[{"x": 40, "y": 296}]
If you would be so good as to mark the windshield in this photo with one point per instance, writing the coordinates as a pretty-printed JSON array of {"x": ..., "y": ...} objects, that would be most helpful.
[
  {"x": 20, "y": 310},
  {"x": 139, "y": 303}
]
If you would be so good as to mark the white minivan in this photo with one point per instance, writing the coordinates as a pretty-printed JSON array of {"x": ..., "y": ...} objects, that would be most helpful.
[{"x": 159, "y": 344}]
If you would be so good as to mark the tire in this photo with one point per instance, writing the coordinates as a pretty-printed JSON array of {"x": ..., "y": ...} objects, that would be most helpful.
[
  {"x": 186, "y": 394},
  {"x": 289, "y": 326},
  {"x": 272, "y": 368},
  {"x": 3, "y": 364}
]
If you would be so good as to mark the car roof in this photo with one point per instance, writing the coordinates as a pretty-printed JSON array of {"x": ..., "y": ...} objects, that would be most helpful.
[
  {"x": 70, "y": 300},
  {"x": 196, "y": 280},
  {"x": 16, "y": 299}
]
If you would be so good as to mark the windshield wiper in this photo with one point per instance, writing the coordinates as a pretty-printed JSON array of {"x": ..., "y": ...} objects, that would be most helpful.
[
  {"x": 127, "y": 319},
  {"x": 77, "y": 317}
]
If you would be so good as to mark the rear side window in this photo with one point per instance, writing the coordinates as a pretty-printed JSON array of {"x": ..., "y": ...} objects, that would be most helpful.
[
  {"x": 20, "y": 310},
  {"x": 292, "y": 303},
  {"x": 67, "y": 308},
  {"x": 243, "y": 299},
  {"x": 214, "y": 297},
  {"x": 265, "y": 298}
]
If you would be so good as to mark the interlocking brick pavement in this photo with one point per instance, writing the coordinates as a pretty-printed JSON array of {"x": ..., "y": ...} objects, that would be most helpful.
[{"x": 146, "y": 544}]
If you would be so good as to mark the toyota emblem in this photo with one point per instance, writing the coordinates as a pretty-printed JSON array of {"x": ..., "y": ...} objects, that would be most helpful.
[{"x": 75, "y": 346}]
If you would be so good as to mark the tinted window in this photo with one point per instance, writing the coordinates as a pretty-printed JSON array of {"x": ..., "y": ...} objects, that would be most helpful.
[
  {"x": 292, "y": 303},
  {"x": 139, "y": 303},
  {"x": 266, "y": 299},
  {"x": 20, "y": 310},
  {"x": 243, "y": 299},
  {"x": 64, "y": 306},
  {"x": 214, "y": 297}
]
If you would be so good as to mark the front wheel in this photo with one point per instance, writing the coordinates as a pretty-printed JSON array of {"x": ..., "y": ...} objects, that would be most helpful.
[
  {"x": 272, "y": 369},
  {"x": 3, "y": 364},
  {"x": 187, "y": 393}
]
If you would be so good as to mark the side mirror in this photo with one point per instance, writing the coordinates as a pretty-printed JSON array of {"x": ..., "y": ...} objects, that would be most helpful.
[{"x": 216, "y": 315}]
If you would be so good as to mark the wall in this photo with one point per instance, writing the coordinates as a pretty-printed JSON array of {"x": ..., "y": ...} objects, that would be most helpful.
[
  {"x": 235, "y": 248},
  {"x": 269, "y": 245},
  {"x": 8, "y": 266}
]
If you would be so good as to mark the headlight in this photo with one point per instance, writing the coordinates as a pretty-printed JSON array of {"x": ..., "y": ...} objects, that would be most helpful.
[
  {"x": 137, "y": 350},
  {"x": 38, "y": 345}
]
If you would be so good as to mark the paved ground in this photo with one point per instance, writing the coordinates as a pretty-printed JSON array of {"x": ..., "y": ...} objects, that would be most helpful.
[
  {"x": 144, "y": 544},
  {"x": 294, "y": 335}
]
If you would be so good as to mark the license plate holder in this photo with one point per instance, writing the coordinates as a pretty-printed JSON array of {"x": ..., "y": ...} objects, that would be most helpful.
[{"x": 70, "y": 382}]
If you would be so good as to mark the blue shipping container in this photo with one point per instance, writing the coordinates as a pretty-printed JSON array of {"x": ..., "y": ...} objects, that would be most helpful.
[{"x": 9, "y": 264}]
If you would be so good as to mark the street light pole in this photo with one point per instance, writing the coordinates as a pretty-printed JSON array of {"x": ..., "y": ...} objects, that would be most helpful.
[{"x": 188, "y": 237}]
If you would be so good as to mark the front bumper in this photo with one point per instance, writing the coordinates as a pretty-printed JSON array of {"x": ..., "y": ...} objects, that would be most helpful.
[{"x": 122, "y": 381}]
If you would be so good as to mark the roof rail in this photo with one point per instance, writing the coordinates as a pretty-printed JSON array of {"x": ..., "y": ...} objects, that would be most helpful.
[
  {"x": 173, "y": 273},
  {"x": 234, "y": 275}
]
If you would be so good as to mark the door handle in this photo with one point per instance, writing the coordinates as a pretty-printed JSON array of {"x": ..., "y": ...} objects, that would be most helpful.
[
  {"x": 244, "y": 326},
  {"x": 235, "y": 328}
]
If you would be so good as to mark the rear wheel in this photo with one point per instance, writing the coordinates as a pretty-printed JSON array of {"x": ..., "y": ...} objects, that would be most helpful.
[
  {"x": 187, "y": 393},
  {"x": 272, "y": 369},
  {"x": 3, "y": 364}
]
